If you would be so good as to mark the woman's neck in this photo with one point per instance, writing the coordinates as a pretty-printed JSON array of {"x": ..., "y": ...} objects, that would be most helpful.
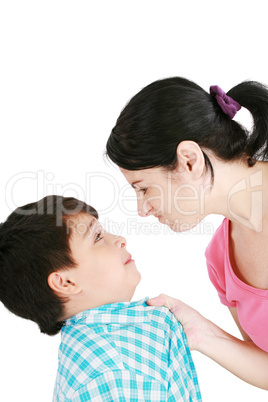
[{"x": 240, "y": 193}]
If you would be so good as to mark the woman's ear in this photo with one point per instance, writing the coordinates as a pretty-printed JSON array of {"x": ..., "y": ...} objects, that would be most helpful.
[
  {"x": 61, "y": 283},
  {"x": 191, "y": 158}
]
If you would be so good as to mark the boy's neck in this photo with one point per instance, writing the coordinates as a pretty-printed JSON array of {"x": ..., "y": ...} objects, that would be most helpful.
[{"x": 73, "y": 308}]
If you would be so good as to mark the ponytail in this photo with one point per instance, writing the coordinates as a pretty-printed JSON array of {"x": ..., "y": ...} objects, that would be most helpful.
[
  {"x": 254, "y": 97},
  {"x": 172, "y": 110}
]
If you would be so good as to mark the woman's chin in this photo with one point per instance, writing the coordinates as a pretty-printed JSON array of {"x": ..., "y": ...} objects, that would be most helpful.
[
  {"x": 175, "y": 227},
  {"x": 180, "y": 227}
]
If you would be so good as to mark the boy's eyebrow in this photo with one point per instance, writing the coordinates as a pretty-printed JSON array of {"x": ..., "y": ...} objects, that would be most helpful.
[
  {"x": 135, "y": 182},
  {"x": 91, "y": 223}
]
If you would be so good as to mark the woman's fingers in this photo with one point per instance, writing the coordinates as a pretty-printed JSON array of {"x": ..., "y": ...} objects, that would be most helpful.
[
  {"x": 194, "y": 324},
  {"x": 182, "y": 311},
  {"x": 163, "y": 300}
]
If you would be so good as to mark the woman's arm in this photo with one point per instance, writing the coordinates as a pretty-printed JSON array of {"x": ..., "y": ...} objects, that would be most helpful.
[{"x": 242, "y": 358}]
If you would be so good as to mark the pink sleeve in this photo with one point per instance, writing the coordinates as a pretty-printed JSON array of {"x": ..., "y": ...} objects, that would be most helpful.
[
  {"x": 216, "y": 281},
  {"x": 216, "y": 262}
]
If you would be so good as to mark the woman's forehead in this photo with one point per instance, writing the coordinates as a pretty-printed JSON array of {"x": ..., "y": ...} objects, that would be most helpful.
[{"x": 137, "y": 176}]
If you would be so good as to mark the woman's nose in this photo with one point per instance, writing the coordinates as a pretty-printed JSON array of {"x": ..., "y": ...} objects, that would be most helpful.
[{"x": 144, "y": 207}]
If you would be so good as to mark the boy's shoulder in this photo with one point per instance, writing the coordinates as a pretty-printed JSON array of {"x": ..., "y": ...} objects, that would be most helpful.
[
  {"x": 90, "y": 326},
  {"x": 107, "y": 339},
  {"x": 162, "y": 315}
]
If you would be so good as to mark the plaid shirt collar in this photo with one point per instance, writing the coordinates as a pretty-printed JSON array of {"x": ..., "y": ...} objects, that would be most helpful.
[{"x": 114, "y": 313}]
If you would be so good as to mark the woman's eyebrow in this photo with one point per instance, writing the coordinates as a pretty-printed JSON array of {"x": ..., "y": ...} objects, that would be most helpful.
[{"x": 135, "y": 182}]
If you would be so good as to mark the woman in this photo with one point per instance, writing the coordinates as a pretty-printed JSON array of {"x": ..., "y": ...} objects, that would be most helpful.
[{"x": 185, "y": 156}]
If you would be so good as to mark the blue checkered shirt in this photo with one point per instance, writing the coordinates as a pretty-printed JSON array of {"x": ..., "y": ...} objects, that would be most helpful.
[{"x": 125, "y": 352}]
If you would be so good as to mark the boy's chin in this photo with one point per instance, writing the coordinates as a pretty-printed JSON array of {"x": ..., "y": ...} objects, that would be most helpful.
[
  {"x": 139, "y": 278},
  {"x": 138, "y": 281}
]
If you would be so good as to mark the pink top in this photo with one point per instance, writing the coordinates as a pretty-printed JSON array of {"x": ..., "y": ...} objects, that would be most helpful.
[{"x": 251, "y": 303}]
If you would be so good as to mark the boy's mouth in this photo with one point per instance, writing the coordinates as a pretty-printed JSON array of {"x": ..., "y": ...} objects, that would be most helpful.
[{"x": 129, "y": 260}]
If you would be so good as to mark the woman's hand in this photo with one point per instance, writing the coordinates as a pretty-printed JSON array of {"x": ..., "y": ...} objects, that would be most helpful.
[
  {"x": 193, "y": 323},
  {"x": 244, "y": 359}
]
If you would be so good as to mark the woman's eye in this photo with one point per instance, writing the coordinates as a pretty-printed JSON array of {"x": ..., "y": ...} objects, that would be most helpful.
[
  {"x": 143, "y": 190},
  {"x": 98, "y": 237}
]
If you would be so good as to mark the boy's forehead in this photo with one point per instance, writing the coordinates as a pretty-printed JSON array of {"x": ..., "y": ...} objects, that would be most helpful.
[{"x": 82, "y": 224}]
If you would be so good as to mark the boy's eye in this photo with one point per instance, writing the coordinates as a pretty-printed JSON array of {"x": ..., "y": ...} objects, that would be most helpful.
[{"x": 98, "y": 237}]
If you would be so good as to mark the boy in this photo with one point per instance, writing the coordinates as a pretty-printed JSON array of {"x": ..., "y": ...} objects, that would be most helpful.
[{"x": 75, "y": 277}]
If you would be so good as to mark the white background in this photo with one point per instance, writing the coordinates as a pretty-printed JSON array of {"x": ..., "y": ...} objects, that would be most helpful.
[{"x": 67, "y": 69}]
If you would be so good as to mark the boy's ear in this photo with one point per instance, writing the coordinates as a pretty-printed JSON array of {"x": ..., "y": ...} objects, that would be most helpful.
[
  {"x": 60, "y": 282},
  {"x": 191, "y": 158}
]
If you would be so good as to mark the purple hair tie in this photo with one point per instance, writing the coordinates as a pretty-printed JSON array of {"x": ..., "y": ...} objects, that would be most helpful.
[{"x": 228, "y": 105}]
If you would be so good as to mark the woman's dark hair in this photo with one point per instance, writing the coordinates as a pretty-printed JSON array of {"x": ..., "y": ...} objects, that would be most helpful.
[
  {"x": 34, "y": 241},
  {"x": 172, "y": 110}
]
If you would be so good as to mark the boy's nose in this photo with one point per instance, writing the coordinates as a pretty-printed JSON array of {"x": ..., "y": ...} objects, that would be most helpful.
[{"x": 120, "y": 241}]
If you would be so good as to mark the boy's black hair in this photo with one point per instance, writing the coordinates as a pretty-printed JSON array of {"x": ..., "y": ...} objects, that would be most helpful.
[
  {"x": 34, "y": 242},
  {"x": 172, "y": 110}
]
